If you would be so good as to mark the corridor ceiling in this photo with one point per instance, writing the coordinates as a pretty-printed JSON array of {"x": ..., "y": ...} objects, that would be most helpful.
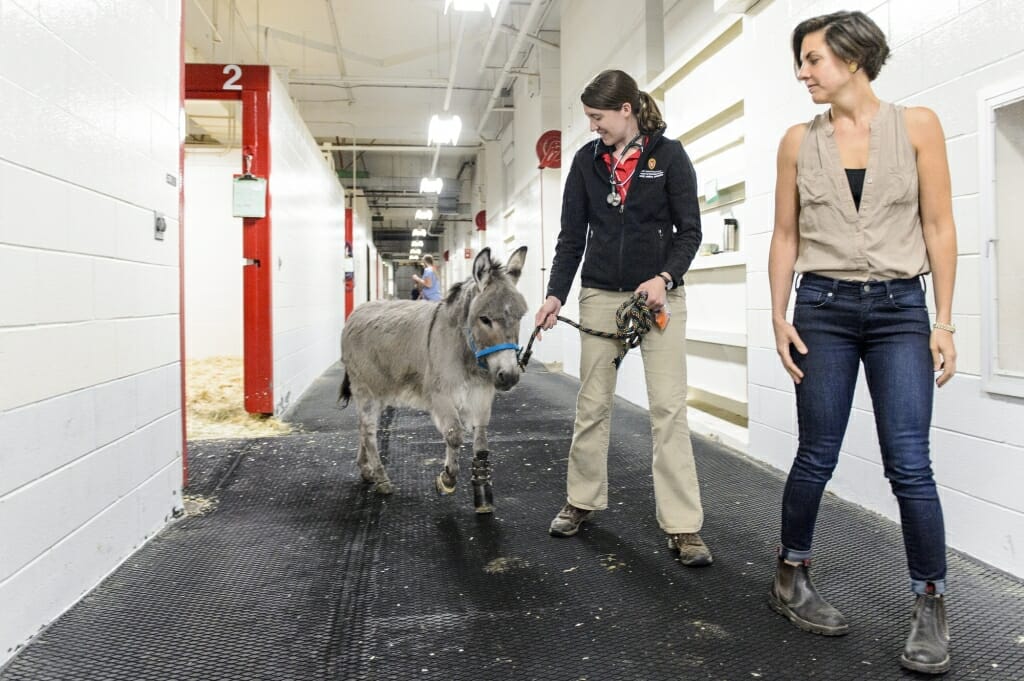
[{"x": 375, "y": 71}]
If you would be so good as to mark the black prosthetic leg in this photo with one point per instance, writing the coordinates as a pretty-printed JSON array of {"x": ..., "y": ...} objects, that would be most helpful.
[{"x": 483, "y": 496}]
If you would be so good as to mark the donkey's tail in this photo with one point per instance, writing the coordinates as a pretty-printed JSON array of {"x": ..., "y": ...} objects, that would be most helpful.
[{"x": 345, "y": 393}]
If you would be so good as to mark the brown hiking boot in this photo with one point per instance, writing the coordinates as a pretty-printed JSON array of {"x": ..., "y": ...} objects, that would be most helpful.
[
  {"x": 568, "y": 521},
  {"x": 693, "y": 552}
]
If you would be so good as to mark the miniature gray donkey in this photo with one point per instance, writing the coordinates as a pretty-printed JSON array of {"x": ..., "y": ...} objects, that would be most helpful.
[{"x": 447, "y": 358}]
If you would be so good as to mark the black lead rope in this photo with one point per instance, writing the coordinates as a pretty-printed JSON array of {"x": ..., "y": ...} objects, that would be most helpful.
[{"x": 633, "y": 320}]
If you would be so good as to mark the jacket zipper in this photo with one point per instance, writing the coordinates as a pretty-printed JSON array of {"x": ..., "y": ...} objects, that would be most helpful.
[{"x": 622, "y": 239}]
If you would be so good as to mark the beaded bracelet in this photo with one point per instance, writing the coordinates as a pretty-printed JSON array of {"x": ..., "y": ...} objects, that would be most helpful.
[{"x": 944, "y": 327}]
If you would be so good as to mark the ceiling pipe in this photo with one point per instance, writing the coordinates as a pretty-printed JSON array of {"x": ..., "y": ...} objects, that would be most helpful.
[
  {"x": 455, "y": 63},
  {"x": 437, "y": 155},
  {"x": 524, "y": 29},
  {"x": 531, "y": 39},
  {"x": 498, "y": 20},
  {"x": 451, "y": 84},
  {"x": 336, "y": 34},
  {"x": 400, "y": 148},
  {"x": 374, "y": 80},
  {"x": 216, "y": 33},
  {"x": 333, "y": 147}
]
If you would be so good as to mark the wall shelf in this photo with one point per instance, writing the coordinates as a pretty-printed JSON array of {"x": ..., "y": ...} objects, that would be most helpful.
[
  {"x": 733, "y": 338},
  {"x": 725, "y": 259}
]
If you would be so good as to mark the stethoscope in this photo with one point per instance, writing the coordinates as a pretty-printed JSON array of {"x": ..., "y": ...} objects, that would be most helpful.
[{"x": 613, "y": 198}]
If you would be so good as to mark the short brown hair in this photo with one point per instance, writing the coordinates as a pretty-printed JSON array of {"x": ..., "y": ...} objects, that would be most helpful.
[
  {"x": 853, "y": 36},
  {"x": 429, "y": 259}
]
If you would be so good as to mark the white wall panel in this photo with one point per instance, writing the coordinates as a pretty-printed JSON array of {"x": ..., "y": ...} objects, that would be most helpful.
[
  {"x": 90, "y": 409},
  {"x": 37, "y": 516},
  {"x": 41, "y": 591},
  {"x": 308, "y": 209},
  {"x": 213, "y": 255},
  {"x": 718, "y": 369},
  {"x": 995, "y": 540}
]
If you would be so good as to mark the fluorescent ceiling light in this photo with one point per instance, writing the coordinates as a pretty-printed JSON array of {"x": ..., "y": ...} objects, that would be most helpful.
[
  {"x": 444, "y": 131},
  {"x": 419, "y": 232},
  {"x": 431, "y": 185},
  {"x": 425, "y": 214},
  {"x": 472, "y": 5},
  {"x": 418, "y": 243}
]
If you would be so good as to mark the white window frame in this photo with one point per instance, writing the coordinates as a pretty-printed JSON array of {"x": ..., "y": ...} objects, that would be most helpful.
[{"x": 994, "y": 380}]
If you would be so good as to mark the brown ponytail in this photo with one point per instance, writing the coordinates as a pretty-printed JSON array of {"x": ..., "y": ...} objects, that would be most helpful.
[{"x": 648, "y": 115}]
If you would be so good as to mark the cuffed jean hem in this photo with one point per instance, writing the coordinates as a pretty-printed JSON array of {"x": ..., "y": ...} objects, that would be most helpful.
[
  {"x": 920, "y": 586},
  {"x": 796, "y": 556}
]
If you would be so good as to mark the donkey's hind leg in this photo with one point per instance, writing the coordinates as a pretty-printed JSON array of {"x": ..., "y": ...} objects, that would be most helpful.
[{"x": 370, "y": 466}]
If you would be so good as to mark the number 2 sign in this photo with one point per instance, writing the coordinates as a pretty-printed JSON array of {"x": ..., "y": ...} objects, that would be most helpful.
[{"x": 234, "y": 74}]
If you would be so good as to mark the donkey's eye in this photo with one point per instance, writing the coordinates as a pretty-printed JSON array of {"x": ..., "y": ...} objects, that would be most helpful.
[{"x": 486, "y": 321}]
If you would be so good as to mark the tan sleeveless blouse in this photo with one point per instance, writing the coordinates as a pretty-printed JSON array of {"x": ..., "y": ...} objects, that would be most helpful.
[{"x": 882, "y": 241}]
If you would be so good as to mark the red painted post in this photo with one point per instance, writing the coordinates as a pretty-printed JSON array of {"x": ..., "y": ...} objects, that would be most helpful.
[
  {"x": 181, "y": 253},
  {"x": 251, "y": 86},
  {"x": 350, "y": 275}
]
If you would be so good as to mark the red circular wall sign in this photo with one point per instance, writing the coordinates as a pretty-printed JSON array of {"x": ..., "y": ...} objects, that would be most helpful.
[{"x": 549, "y": 149}]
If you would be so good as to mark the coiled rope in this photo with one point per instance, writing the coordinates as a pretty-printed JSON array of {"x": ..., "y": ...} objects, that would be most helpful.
[{"x": 633, "y": 320}]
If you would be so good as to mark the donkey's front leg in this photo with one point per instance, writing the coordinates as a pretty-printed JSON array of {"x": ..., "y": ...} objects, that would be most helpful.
[
  {"x": 480, "y": 417},
  {"x": 483, "y": 497},
  {"x": 448, "y": 425}
]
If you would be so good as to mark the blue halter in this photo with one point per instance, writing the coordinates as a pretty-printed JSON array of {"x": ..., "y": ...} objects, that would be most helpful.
[{"x": 490, "y": 350}]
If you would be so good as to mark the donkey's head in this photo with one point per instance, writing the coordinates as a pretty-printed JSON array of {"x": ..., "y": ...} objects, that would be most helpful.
[{"x": 495, "y": 313}]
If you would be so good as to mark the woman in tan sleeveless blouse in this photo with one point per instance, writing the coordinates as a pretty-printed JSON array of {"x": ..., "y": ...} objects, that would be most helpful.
[{"x": 863, "y": 209}]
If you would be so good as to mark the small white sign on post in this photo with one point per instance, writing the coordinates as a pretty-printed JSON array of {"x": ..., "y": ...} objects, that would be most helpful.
[{"x": 249, "y": 197}]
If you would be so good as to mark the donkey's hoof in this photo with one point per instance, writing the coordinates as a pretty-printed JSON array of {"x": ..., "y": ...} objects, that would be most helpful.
[
  {"x": 484, "y": 509},
  {"x": 384, "y": 487},
  {"x": 442, "y": 487}
]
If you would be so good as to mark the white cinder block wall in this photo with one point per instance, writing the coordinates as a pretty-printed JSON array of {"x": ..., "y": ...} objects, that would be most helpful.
[
  {"x": 90, "y": 398},
  {"x": 308, "y": 250}
]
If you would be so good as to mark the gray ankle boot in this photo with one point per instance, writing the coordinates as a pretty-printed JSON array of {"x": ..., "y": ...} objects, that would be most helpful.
[
  {"x": 794, "y": 597},
  {"x": 927, "y": 648}
]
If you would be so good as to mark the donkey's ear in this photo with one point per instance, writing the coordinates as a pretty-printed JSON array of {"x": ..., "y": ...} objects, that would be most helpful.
[
  {"x": 514, "y": 266},
  {"x": 482, "y": 267}
]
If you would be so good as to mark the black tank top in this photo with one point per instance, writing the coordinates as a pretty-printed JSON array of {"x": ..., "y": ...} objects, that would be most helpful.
[{"x": 855, "y": 176}]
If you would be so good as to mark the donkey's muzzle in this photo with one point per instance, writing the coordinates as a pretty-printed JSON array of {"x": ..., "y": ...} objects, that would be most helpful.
[{"x": 505, "y": 379}]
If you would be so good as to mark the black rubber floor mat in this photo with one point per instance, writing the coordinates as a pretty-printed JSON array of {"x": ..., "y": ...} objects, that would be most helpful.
[{"x": 298, "y": 571}]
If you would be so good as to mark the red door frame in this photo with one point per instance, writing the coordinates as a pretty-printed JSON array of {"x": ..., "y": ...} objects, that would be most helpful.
[
  {"x": 181, "y": 248},
  {"x": 251, "y": 86},
  {"x": 350, "y": 274}
]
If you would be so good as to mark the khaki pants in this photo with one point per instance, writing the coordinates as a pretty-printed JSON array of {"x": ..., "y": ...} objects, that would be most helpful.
[{"x": 676, "y": 493}]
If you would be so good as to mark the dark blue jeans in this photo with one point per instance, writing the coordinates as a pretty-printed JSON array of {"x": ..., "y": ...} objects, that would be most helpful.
[{"x": 885, "y": 325}]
